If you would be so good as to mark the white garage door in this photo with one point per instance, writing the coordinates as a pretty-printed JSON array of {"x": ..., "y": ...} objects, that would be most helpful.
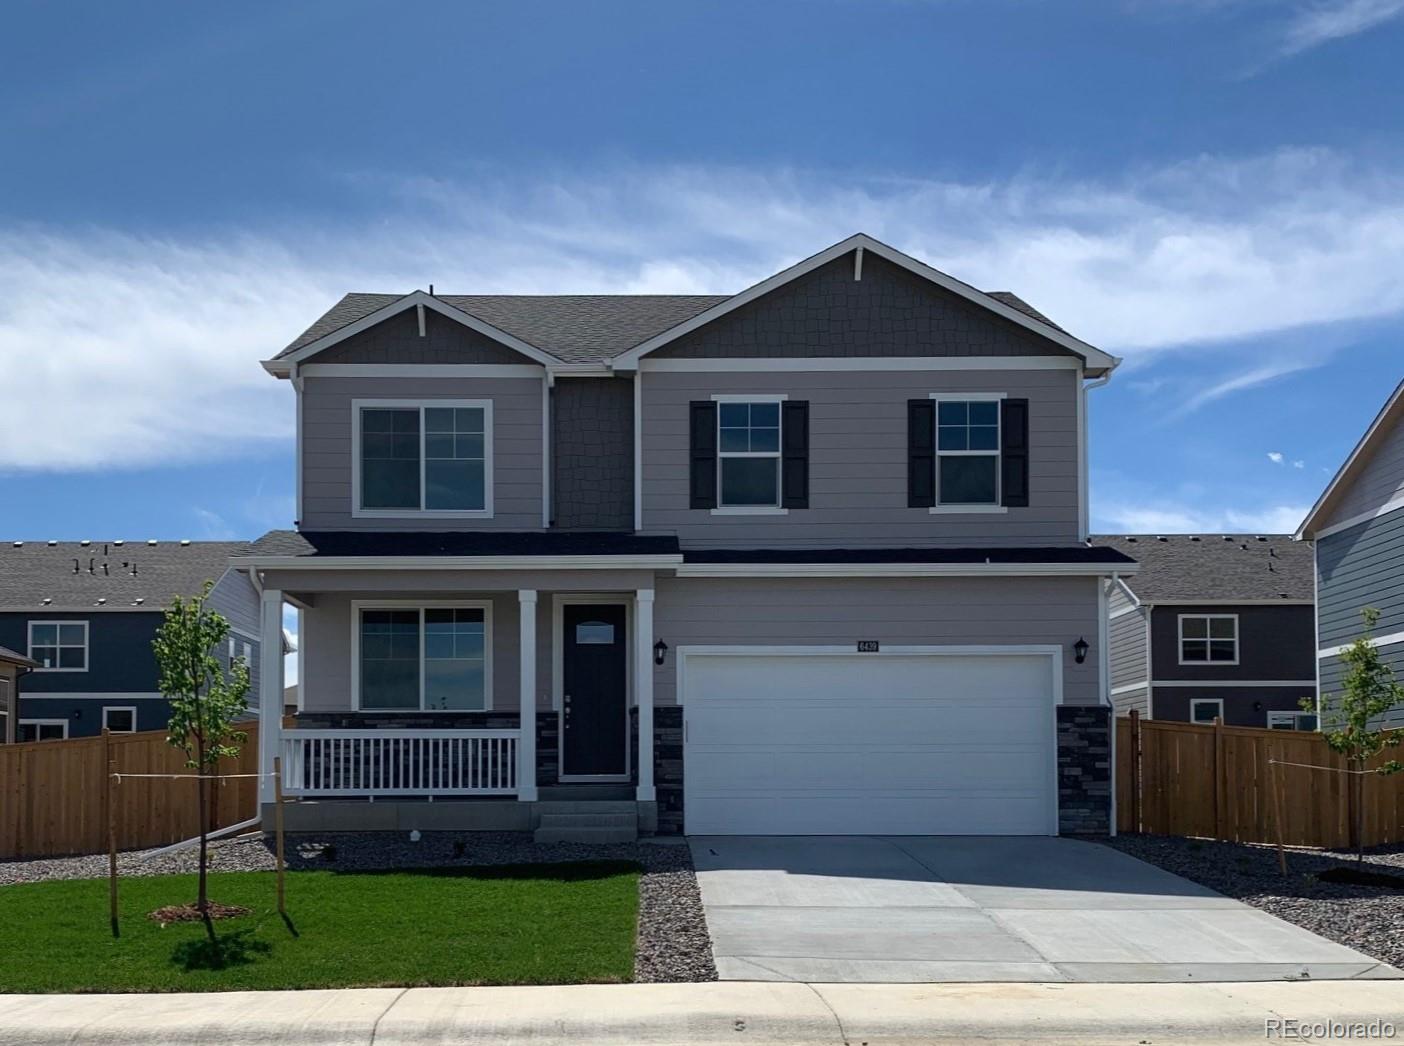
[{"x": 823, "y": 743}]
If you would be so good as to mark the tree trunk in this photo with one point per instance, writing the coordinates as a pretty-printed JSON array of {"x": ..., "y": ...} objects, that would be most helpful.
[
  {"x": 1359, "y": 812},
  {"x": 203, "y": 902}
]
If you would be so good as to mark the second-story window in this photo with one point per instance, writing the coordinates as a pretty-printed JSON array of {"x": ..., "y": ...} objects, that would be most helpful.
[
  {"x": 1208, "y": 639},
  {"x": 967, "y": 452},
  {"x": 748, "y": 454},
  {"x": 59, "y": 646},
  {"x": 430, "y": 457}
]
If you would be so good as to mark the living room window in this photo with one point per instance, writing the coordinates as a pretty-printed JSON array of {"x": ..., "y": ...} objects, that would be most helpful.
[
  {"x": 967, "y": 451},
  {"x": 432, "y": 457},
  {"x": 59, "y": 646},
  {"x": 1208, "y": 639},
  {"x": 748, "y": 453},
  {"x": 423, "y": 658}
]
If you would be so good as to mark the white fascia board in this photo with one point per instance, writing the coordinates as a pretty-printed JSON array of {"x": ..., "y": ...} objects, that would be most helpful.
[
  {"x": 281, "y": 367},
  {"x": 711, "y": 365},
  {"x": 461, "y": 562},
  {"x": 421, "y": 370},
  {"x": 1096, "y": 359},
  {"x": 786, "y": 570},
  {"x": 1231, "y": 603},
  {"x": 1356, "y": 456},
  {"x": 1393, "y": 505},
  {"x": 1393, "y": 639}
]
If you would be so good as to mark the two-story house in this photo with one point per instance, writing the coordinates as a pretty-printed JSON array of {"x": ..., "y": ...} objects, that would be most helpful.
[
  {"x": 85, "y": 613},
  {"x": 811, "y": 558},
  {"x": 1357, "y": 527},
  {"x": 1215, "y": 626}
]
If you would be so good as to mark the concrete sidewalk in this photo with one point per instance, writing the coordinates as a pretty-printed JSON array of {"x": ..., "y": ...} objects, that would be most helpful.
[{"x": 733, "y": 1013}]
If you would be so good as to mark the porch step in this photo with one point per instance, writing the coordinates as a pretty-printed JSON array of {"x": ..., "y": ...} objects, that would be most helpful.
[
  {"x": 599, "y": 822},
  {"x": 586, "y": 835},
  {"x": 591, "y": 820},
  {"x": 588, "y": 806}
]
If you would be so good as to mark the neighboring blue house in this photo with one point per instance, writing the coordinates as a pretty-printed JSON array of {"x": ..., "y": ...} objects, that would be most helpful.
[
  {"x": 86, "y": 612},
  {"x": 1358, "y": 527}
]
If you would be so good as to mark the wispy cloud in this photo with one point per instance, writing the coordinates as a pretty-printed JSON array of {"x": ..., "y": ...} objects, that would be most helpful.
[
  {"x": 142, "y": 349},
  {"x": 1319, "y": 23},
  {"x": 1299, "y": 464}
]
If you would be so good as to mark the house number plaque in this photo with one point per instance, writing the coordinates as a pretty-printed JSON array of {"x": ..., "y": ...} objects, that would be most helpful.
[{"x": 867, "y": 646}]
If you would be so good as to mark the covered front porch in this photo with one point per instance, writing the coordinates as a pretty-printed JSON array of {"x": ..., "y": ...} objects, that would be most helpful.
[{"x": 463, "y": 699}]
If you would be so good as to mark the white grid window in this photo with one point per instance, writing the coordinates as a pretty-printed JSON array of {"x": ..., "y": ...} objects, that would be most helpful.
[
  {"x": 748, "y": 454},
  {"x": 59, "y": 646},
  {"x": 967, "y": 451},
  {"x": 1208, "y": 639},
  {"x": 432, "y": 457}
]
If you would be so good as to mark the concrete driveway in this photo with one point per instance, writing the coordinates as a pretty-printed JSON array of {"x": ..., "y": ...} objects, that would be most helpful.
[{"x": 861, "y": 908}]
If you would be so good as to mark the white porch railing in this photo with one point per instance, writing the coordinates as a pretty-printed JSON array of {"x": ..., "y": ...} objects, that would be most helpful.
[{"x": 399, "y": 762}]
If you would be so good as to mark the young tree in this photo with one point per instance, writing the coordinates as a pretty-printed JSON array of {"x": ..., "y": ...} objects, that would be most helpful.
[
  {"x": 205, "y": 701},
  {"x": 1350, "y": 721}
]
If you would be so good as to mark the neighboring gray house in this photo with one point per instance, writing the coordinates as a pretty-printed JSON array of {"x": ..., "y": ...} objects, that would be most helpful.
[
  {"x": 1358, "y": 529},
  {"x": 1215, "y": 625},
  {"x": 808, "y": 559},
  {"x": 86, "y": 612}
]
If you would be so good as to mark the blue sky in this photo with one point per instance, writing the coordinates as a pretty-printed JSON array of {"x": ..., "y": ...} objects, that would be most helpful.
[{"x": 1213, "y": 189}]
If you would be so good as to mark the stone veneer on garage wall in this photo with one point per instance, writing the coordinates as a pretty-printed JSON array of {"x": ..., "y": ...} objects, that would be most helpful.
[{"x": 1084, "y": 770}]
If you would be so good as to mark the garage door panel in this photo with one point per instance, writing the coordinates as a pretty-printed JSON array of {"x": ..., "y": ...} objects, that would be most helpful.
[{"x": 854, "y": 744}]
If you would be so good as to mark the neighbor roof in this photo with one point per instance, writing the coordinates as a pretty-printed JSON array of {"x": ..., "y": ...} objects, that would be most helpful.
[
  {"x": 1216, "y": 567},
  {"x": 595, "y": 328},
  {"x": 108, "y": 574},
  {"x": 1389, "y": 416},
  {"x": 339, "y": 543},
  {"x": 12, "y": 657}
]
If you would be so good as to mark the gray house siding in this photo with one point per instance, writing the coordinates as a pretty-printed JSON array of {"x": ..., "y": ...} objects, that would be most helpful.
[
  {"x": 327, "y": 456},
  {"x": 234, "y": 597},
  {"x": 592, "y": 454},
  {"x": 397, "y": 340},
  {"x": 1129, "y": 664},
  {"x": 858, "y": 460},
  {"x": 889, "y": 312},
  {"x": 1379, "y": 481},
  {"x": 908, "y": 611}
]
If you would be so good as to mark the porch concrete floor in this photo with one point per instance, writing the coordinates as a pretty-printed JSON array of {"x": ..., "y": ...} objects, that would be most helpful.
[{"x": 910, "y": 909}]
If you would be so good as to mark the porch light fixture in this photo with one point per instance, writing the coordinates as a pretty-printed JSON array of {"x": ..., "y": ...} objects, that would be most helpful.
[
  {"x": 660, "y": 652},
  {"x": 1080, "y": 650}
]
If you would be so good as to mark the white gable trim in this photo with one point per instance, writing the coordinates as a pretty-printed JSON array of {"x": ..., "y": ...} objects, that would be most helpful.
[
  {"x": 1357, "y": 457},
  {"x": 1096, "y": 359},
  {"x": 282, "y": 367}
]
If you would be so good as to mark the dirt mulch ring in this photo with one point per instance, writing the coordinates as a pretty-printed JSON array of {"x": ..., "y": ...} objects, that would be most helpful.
[{"x": 188, "y": 913}]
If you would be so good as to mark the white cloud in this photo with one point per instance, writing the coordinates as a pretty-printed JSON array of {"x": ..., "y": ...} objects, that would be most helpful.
[
  {"x": 139, "y": 350},
  {"x": 1318, "y": 23},
  {"x": 1161, "y": 518},
  {"x": 1275, "y": 457},
  {"x": 1299, "y": 464}
]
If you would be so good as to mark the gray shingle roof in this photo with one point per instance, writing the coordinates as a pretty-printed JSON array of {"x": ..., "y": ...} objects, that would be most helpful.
[
  {"x": 1216, "y": 566},
  {"x": 118, "y": 574},
  {"x": 13, "y": 657},
  {"x": 575, "y": 328}
]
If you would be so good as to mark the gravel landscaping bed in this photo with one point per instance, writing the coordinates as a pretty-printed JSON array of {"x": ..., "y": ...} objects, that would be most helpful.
[
  {"x": 673, "y": 944},
  {"x": 1366, "y": 918}
]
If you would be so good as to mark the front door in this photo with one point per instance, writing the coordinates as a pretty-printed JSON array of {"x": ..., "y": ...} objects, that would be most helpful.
[{"x": 594, "y": 691}]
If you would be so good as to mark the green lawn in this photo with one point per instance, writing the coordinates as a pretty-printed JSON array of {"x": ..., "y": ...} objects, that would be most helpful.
[{"x": 527, "y": 924}]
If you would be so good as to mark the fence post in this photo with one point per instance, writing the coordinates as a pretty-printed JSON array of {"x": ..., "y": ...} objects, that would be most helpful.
[
  {"x": 1219, "y": 784},
  {"x": 278, "y": 826},
  {"x": 1135, "y": 770},
  {"x": 110, "y": 801},
  {"x": 1276, "y": 768}
]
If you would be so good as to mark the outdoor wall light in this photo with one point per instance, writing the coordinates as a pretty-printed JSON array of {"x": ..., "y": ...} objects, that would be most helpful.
[
  {"x": 660, "y": 652},
  {"x": 1080, "y": 650}
]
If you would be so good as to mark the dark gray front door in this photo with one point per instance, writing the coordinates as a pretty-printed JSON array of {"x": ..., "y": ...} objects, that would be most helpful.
[{"x": 594, "y": 692}]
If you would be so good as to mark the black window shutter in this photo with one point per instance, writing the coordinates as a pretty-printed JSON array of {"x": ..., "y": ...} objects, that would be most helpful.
[
  {"x": 1014, "y": 453},
  {"x": 921, "y": 453},
  {"x": 703, "y": 444},
  {"x": 794, "y": 466}
]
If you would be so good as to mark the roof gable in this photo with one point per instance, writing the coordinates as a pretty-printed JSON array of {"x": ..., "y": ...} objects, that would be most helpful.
[{"x": 1386, "y": 424}]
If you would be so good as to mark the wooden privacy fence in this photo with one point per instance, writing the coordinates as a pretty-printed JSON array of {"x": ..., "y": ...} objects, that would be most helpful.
[
  {"x": 1216, "y": 782},
  {"x": 53, "y": 794}
]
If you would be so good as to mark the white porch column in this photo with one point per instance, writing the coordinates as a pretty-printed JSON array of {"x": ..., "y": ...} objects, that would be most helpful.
[
  {"x": 526, "y": 741},
  {"x": 270, "y": 689},
  {"x": 643, "y": 688}
]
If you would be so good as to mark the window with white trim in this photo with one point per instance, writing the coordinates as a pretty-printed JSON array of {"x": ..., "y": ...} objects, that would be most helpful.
[
  {"x": 430, "y": 457},
  {"x": 1208, "y": 639},
  {"x": 431, "y": 658},
  {"x": 1206, "y": 709},
  {"x": 967, "y": 451},
  {"x": 42, "y": 730},
  {"x": 1292, "y": 721},
  {"x": 59, "y": 646},
  {"x": 748, "y": 454},
  {"x": 120, "y": 719}
]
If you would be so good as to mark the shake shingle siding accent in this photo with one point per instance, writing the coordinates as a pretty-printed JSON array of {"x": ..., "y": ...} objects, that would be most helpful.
[
  {"x": 858, "y": 461},
  {"x": 593, "y": 454},
  {"x": 397, "y": 340},
  {"x": 889, "y": 312},
  {"x": 328, "y": 456}
]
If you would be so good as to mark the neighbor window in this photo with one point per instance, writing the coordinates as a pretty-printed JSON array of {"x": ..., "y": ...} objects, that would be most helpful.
[
  {"x": 119, "y": 719},
  {"x": 59, "y": 646},
  {"x": 1208, "y": 639},
  {"x": 424, "y": 457},
  {"x": 43, "y": 730},
  {"x": 1291, "y": 721},
  {"x": 1206, "y": 710},
  {"x": 748, "y": 454},
  {"x": 429, "y": 658},
  {"x": 967, "y": 452}
]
